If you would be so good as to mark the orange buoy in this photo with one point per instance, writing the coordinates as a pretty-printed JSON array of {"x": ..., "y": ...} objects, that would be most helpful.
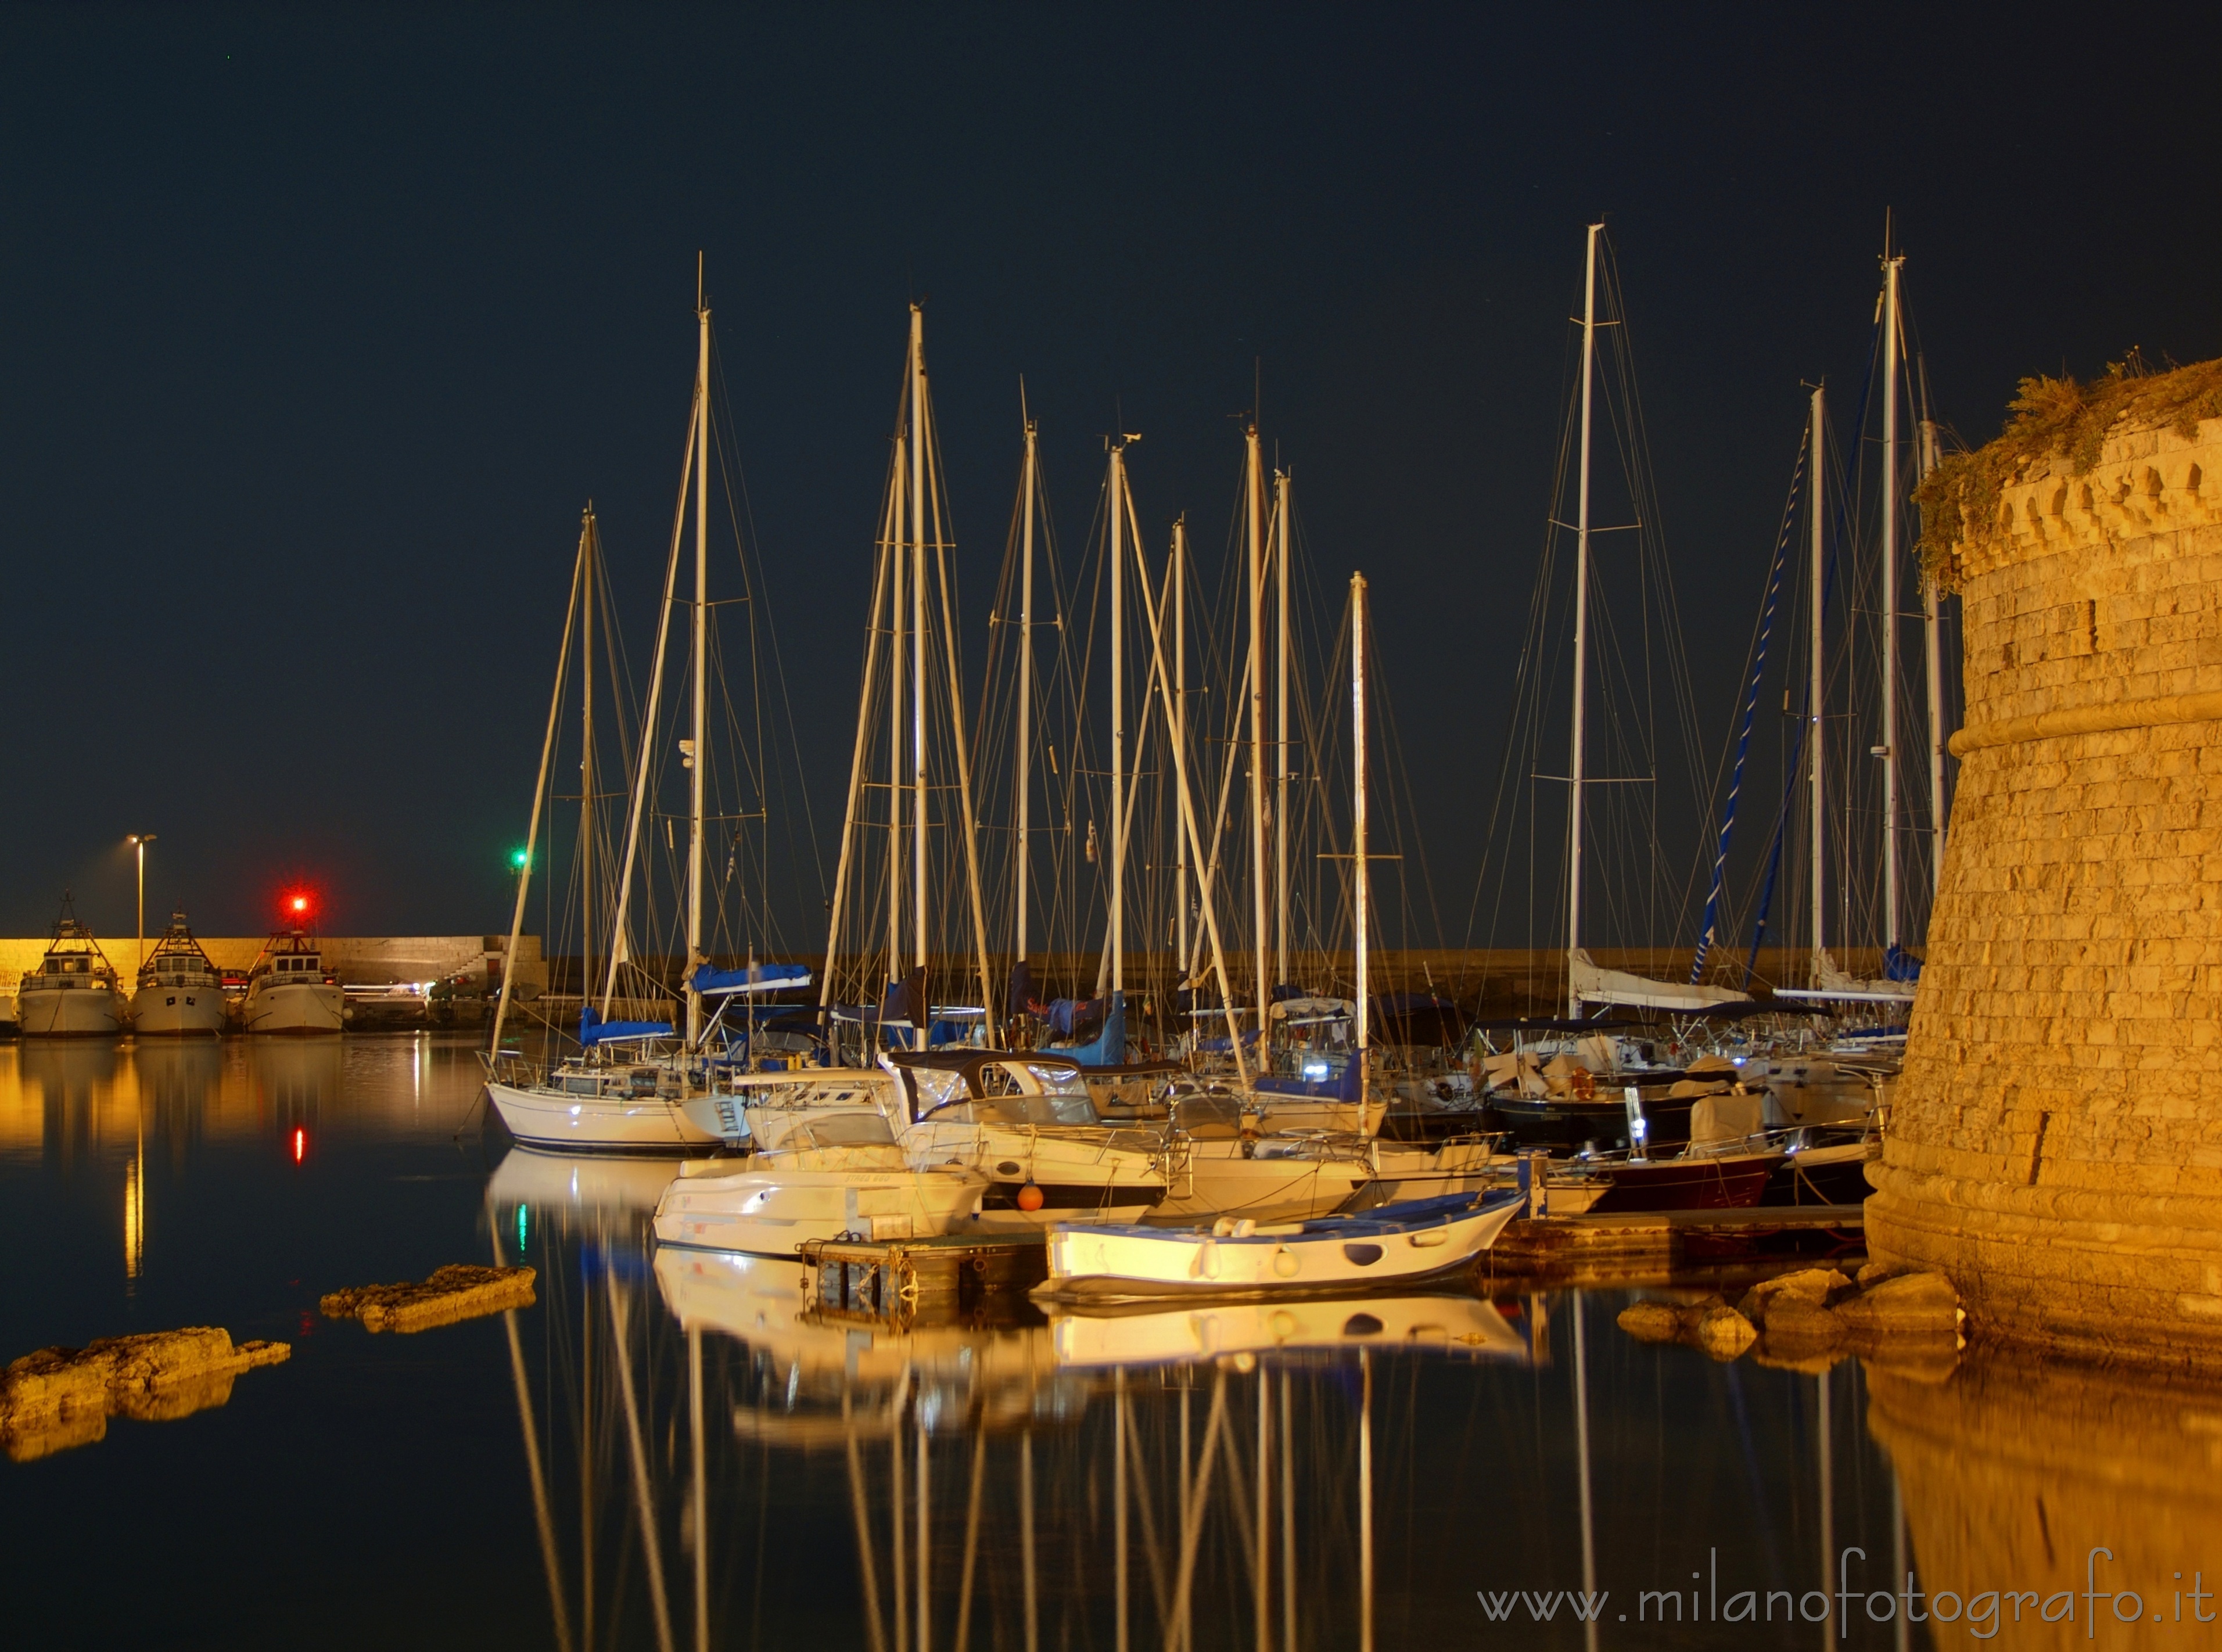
[{"x": 1030, "y": 1197}]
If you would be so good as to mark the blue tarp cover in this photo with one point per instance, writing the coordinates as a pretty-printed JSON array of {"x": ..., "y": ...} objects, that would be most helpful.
[
  {"x": 594, "y": 1030},
  {"x": 766, "y": 977}
]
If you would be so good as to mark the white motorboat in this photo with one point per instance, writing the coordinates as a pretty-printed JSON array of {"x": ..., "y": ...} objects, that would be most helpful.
[
  {"x": 72, "y": 993},
  {"x": 1398, "y": 1244},
  {"x": 851, "y": 1181},
  {"x": 181, "y": 993},
  {"x": 1197, "y": 1331},
  {"x": 1028, "y": 1124},
  {"x": 288, "y": 989}
]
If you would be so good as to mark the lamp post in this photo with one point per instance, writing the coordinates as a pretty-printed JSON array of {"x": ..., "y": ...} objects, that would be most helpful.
[{"x": 138, "y": 840}]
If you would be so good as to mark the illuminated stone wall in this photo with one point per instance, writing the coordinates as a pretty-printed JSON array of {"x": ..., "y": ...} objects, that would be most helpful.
[{"x": 2056, "y": 1140}]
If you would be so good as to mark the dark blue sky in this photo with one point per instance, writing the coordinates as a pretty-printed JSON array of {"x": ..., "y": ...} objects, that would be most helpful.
[{"x": 320, "y": 325}]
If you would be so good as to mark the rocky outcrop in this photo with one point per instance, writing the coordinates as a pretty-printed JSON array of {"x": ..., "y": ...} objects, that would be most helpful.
[
  {"x": 458, "y": 1291},
  {"x": 60, "y": 1397}
]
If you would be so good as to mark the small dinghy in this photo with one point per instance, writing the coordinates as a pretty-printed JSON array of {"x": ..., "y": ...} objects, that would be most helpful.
[{"x": 1395, "y": 1243}]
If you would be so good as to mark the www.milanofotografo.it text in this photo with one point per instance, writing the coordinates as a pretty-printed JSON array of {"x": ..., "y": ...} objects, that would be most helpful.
[{"x": 2106, "y": 1597}]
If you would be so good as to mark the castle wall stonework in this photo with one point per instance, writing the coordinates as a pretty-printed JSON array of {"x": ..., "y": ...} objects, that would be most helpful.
[{"x": 2056, "y": 1141}]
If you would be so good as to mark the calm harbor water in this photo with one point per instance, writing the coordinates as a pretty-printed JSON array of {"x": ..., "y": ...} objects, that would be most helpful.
[{"x": 663, "y": 1452}]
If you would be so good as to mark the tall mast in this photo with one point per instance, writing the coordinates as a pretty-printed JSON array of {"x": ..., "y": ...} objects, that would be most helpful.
[
  {"x": 637, "y": 811},
  {"x": 1933, "y": 649},
  {"x": 539, "y": 792},
  {"x": 1281, "y": 734},
  {"x": 1180, "y": 726},
  {"x": 587, "y": 549},
  {"x": 696, "y": 759},
  {"x": 1888, "y": 749},
  {"x": 1118, "y": 719},
  {"x": 1362, "y": 886},
  {"x": 1026, "y": 686},
  {"x": 1816, "y": 680},
  {"x": 896, "y": 623},
  {"x": 1581, "y": 630},
  {"x": 919, "y": 438},
  {"x": 1253, "y": 505}
]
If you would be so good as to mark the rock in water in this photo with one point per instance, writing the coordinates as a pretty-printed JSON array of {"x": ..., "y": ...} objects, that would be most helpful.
[
  {"x": 1813, "y": 1285},
  {"x": 1909, "y": 1302},
  {"x": 60, "y": 1397},
  {"x": 1651, "y": 1321},
  {"x": 458, "y": 1291},
  {"x": 1724, "y": 1333}
]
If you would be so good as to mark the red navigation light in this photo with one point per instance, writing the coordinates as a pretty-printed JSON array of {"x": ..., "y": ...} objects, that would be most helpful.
[
  {"x": 300, "y": 1143},
  {"x": 300, "y": 904}
]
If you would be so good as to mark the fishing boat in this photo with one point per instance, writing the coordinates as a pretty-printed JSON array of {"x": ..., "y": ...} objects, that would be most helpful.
[
  {"x": 180, "y": 992},
  {"x": 73, "y": 992},
  {"x": 290, "y": 991},
  {"x": 1397, "y": 1244}
]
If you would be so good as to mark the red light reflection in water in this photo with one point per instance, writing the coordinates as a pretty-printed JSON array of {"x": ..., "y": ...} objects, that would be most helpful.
[{"x": 300, "y": 1143}]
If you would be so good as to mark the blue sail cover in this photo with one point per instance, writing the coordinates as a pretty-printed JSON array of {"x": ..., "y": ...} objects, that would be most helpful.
[
  {"x": 757, "y": 978},
  {"x": 1108, "y": 1048},
  {"x": 594, "y": 1030}
]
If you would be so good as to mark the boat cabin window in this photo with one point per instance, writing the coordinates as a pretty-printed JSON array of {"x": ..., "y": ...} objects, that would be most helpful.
[
  {"x": 857, "y": 1129},
  {"x": 588, "y": 1085},
  {"x": 931, "y": 1088}
]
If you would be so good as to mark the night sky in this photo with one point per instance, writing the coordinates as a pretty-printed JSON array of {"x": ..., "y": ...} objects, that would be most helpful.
[{"x": 320, "y": 325}]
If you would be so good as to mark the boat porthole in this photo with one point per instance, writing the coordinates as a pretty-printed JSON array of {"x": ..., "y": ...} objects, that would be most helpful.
[
  {"x": 1285, "y": 1263},
  {"x": 1362, "y": 1255},
  {"x": 1008, "y": 1167},
  {"x": 1361, "y": 1325}
]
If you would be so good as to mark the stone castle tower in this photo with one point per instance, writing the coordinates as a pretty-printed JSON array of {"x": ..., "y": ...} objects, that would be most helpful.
[{"x": 2056, "y": 1137}]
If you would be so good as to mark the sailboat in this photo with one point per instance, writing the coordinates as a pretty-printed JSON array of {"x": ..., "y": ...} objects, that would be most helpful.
[
  {"x": 1829, "y": 985},
  {"x": 180, "y": 992},
  {"x": 72, "y": 993},
  {"x": 622, "y": 1092},
  {"x": 1397, "y": 1242}
]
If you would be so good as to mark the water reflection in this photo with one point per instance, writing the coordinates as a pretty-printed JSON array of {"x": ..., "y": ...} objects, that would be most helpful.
[
  {"x": 2026, "y": 1484},
  {"x": 1307, "y": 1473}
]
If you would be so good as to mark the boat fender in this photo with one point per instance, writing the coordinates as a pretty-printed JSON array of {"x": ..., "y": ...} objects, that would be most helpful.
[
  {"x": 1030, "y": 1197},
  {"x": 1287, "y": 1265},
  {"x": 1206, "y": 1265}
]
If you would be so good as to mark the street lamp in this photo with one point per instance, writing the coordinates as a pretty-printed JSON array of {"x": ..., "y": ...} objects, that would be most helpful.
[{"x": 138, "y": 840}]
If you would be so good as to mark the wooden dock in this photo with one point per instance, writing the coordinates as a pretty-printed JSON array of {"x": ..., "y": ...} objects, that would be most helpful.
[
  {"x": 894, "y": 1281},
  {"x": 1639, "y": 1247}
]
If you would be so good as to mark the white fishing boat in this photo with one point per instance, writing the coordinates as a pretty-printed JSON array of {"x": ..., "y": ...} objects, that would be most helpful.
[
  {"x": 1398, "y": 1244},
  {"x": 181, "y": 993},
  {"x": 72, "y": 993},
  {"x": 289, "y": 990}
]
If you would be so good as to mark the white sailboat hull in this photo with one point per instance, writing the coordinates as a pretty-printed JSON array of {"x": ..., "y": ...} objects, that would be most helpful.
[
  {"x": 1213, "y": 1178},
  {"x": 559, "y": 1121},
  {"x": 1397, "y": 1246},
  {"x": 69, "y": 1012},
  {"x": 177, "y": 1012},
  {"x": 297, "y": 1006},
  {"x": 773, "y": 1212}
]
